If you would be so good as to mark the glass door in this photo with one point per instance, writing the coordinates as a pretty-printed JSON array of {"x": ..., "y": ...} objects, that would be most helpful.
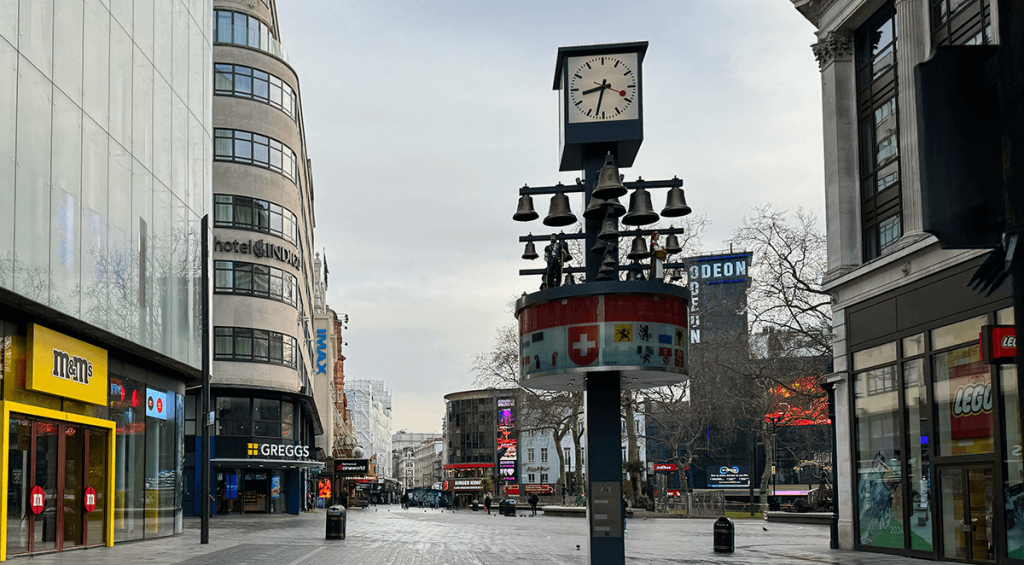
[
  {"x": 967, "y": 513},
  {"x": 45, "y": 469}
]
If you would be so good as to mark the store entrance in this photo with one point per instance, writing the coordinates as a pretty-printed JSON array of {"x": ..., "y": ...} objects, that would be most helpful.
[
  {"x": 967, "y": 513},
  {"x": 56, "y": 486},
  {"x": 257, "y": 489}
]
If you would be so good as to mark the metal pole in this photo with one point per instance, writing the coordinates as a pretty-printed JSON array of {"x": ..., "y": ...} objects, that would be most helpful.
[
  {"x": 753, "y": 467},
  {"x": 833, "y": 535},
  {"x": 604, "y": 464},
  {"x": 204, "y": 401}
]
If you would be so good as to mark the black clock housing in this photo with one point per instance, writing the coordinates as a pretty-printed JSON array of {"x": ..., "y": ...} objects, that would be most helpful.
[{"x": 621, "y": 136}]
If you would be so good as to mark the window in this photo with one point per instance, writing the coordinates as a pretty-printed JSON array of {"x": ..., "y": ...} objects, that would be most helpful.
[
  {"x": 266, "y": 417},
  {"x": 878, "y": 124},
  {"x": 529, "y": 455},
  {"x": 543, "y": 455},
  {"x": 241, "y": 29},
  {"x": 543, "y": 478},
  {"x": 531, "y": 478},
  {"x": 247, "y": 82},
  {"x": 257, "y": 346},
  {"x": 242, "y": 212},
  {"x": 254, "y": 149},
  {"x": 567, "y": 457},
  {"x": 233, "y": 416},
  {"x": 961, "y": 22},
  {"x": 239, "y": 277}
]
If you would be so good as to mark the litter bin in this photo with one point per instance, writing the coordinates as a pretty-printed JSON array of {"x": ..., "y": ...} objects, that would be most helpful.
[
  {"x": 336, "y": 522},
  {"x": 510, "y": 507},
  {"x": 725, "y": 535},
  {"x": 476, "y": 505}
]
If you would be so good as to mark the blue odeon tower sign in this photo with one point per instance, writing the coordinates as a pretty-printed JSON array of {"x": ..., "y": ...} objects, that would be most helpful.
[{"x": 621, "y": 326}]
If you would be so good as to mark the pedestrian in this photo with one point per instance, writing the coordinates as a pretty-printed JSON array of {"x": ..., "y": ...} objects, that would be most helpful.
[
  {"x": 405, "y": 501},
  {"x": 533, "y": 503},
  {"x": 487, "y": 504}
]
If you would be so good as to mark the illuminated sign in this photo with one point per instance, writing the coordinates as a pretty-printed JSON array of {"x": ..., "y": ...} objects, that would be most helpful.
[
  {"x": 466, "y": 484},
  {"x": 277, "y": 450},
  {"x": 159, "y": 404},
  {"x": 321, "y": 352},
  {"x": 352, "y": 466},
  {"x": 714, "y": 270},
  {"x": 998, "y": 344},
  {"x": 64, "y": 366},
  {"x": 665, "y": 467},
  {"x": 324, "y": 488},
  {"x": 506, "y": 439},
  {"x": 728, "y": 476}
]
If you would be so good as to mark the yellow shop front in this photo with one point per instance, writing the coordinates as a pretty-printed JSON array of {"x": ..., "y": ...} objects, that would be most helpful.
[{"x": 58, "y": 444}]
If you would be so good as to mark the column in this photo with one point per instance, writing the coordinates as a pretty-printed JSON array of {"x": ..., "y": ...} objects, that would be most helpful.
[
  {"x": 834, "y": 53},
  {"x": 912, "y": 36},
  {"x": 604, "y": 468}
]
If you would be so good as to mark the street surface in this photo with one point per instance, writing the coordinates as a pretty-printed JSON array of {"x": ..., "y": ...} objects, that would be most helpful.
[{"x": 388, "y": 535}]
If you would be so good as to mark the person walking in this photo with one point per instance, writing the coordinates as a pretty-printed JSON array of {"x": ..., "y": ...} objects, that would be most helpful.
[
  {"x": 533, "y": 503},
  {"x": 487, "y": 504},
  {"x": 624, "y": 530}
]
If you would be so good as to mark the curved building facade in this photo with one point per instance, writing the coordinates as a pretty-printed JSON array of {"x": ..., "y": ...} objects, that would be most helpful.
[
  {"x": 105, "y": 137},
  {"x": 262, "y": 394}
]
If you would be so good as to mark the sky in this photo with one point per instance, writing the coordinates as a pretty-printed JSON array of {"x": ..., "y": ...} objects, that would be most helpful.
[{"x": 423, "y": 119}]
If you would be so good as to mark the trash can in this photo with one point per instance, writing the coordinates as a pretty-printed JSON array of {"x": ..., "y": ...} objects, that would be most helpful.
[
  {"x": 336, "y": 522},
  {"x": 510, "y": 507},
  {"x": 476, "y": 505},
  {"x": 725, "y": 535}
]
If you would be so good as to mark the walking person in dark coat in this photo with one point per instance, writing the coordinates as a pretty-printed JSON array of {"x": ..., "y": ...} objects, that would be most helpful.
[
  {"x": 533, "y": 503},
  {"x": 487, "y": 503}
]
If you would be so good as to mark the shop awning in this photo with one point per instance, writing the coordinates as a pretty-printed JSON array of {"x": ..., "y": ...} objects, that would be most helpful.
[{"x": 267, "y": 463}]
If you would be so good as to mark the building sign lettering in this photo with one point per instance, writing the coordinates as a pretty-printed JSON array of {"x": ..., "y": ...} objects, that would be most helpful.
[
  {"x": 260, "y": 249},
  {"x": 278, "y": 450},
  {"x": 713, "y": 270},
  {"x": 321, "y": 352},
  {"x": 64, "y": 366}
]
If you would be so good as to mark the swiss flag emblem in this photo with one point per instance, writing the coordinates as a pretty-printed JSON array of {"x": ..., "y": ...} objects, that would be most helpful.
[{"x": 583, "y": 342}]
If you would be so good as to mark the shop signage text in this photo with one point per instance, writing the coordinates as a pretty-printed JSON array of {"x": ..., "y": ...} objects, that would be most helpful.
[
  {"x": 64, "y": 366},
  {"x": 727, "y": 476},
  {"x": 90, "y": 499},
  {"x": 665, "y": 467},
  {"x": 260, "y": 249},
  {"x": 351, "y": 466},
  {"x": 321, "y": 352},
  {"x": 998, "y": 344},
  {"x": 278, "y": 450},
  {"x": 466, "y": 484}
]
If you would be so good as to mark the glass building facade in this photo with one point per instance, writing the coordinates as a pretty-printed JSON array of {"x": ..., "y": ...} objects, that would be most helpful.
[{"x": 106, "y": 145}]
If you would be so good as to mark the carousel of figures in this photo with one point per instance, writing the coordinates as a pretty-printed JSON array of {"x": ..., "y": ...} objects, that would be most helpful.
[
  {"x": 555, "y": 254},
  {"x": 658, "y": 256}
]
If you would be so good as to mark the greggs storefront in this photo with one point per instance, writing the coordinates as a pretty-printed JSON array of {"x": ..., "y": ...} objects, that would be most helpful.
[{"x": 91, "y": 447}]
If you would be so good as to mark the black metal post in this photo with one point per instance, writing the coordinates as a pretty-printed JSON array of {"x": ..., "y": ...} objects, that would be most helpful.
[
  {"x": 604, "y": 464},
  {"x": 753, "y": 466},
  {"x": 833, "y": 536},
  {"x": 204, "y": 401}
]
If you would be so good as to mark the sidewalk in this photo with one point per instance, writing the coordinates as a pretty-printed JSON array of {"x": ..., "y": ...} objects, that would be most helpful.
[{"x": 387, "y": 535}]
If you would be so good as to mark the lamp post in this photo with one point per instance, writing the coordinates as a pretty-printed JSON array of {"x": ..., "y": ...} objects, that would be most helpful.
[{"x": 834, "y": 522}]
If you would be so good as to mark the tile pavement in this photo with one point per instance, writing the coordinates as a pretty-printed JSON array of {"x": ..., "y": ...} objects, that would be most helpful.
[{"x": 388, "y": 535}]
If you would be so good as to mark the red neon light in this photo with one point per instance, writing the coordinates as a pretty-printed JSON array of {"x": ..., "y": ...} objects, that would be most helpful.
[{"x": 469, "y": 466}]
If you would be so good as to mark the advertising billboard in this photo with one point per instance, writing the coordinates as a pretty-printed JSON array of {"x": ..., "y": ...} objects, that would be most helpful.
[{"x": 728, "y": 476}]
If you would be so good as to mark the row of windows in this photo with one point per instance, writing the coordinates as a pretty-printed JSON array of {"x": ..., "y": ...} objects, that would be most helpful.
[
  {"x": 244, "y": 213},
  {"x": 255, "y": 149},
  {"x": 240, "y": 29},
  {"x": 543, "y": 455},
  {"x": 258, "y": 346},
  {"x": 260, "y": 417},
  {"x": 249, "y": 279},
  {"x": 246, "y": 82}
]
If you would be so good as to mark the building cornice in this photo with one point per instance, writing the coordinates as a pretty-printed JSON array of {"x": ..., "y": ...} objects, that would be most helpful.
[
  {"x": 836, "y": 46},
  {"x": 813, "y": 9}
]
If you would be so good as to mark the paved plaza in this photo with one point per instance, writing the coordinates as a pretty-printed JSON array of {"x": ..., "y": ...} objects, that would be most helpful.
[{"x": 388, "y": 535}]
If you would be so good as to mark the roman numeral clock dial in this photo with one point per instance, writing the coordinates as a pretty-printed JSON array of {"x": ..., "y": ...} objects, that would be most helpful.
[{"x": 602, "y": 88}]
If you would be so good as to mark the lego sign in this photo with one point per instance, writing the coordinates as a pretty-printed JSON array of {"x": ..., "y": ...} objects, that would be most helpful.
[{"x": 998, "y": 344}]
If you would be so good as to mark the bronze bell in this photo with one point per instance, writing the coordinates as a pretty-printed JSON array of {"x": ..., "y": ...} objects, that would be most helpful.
[
  {"x": 525, "y": 213},
  {"x": 631, "y": 275},
  {"x": 608, "y": 229},
  {"x": 675, "y": 204},
  {"x": 609, "y": 183},
  {"x": 531, "y": 251},
  {"x": 676, "y": 275},
  {"x": 599, "y": 206},
  {"x": 559, "y": 213},
  {"x": 639, "y": 250},
  {"x": 640, "y": 210},
  {"x": 672, "y": 244},
  {"x": 569, "y": 279}
]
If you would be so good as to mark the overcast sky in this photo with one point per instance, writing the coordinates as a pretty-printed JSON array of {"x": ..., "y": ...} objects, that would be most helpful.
[{"x": 424, "y": 118}]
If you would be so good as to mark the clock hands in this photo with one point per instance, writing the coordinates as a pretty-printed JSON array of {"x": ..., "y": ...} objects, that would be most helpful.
[
  {"x": 605, "y": 86},
  {"x": 600, "y": 97}
]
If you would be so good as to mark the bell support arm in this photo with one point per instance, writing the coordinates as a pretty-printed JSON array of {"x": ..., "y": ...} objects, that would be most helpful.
[
  {"x": 627, "y": 267},
  {"x": 625, "y": 233},
  {"x": 533, "y": 190}
]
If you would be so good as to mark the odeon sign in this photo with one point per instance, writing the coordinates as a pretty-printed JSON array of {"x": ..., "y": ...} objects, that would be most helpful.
[{"x": 638, "y": 328}]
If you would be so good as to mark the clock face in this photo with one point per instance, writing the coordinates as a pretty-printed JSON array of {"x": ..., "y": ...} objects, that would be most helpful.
[{"x": 603, "y": 88}]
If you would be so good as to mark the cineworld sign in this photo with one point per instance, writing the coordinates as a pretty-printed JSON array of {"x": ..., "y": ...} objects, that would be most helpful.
[{"x": 260, "y": 249}]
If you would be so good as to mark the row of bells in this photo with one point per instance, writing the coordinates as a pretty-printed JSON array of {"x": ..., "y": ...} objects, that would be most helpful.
[
  {"x": 606, "y": 197},
  {"x": 608, "y": 231},
  {"x": 632, "y": 275}
]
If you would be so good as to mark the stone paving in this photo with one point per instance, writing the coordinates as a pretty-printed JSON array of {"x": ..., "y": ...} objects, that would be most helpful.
[{"x": 388, "y": 535}]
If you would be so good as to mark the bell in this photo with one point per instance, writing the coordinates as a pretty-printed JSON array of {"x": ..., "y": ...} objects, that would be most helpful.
[
  {"x": 531, "y": 251},
  {"x": 631, "y": 275},
  {"x": 672, "y": 244},
  {"x": 608, "y": 229},
  {"x": 676, "y": 275},
  {"x": 525, "y": 213},
  {"x": 639, "y": 250},
  {"x": 599, "y": 206},
  {"x": 569, "y": 279},
  {"x": 640, "y": 210},
  {"x": 609, "y": 183},
  {"x": 559, "y": 214},
  {"x": 675, "y": 204}
]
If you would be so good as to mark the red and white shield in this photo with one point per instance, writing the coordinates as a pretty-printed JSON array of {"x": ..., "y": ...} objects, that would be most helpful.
[{"x": 583, "y": 343}]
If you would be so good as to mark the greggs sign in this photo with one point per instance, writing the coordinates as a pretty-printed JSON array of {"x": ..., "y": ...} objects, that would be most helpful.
[
  {"x": 64, "y": 366},
  {"x": 998, "y": 344}
]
